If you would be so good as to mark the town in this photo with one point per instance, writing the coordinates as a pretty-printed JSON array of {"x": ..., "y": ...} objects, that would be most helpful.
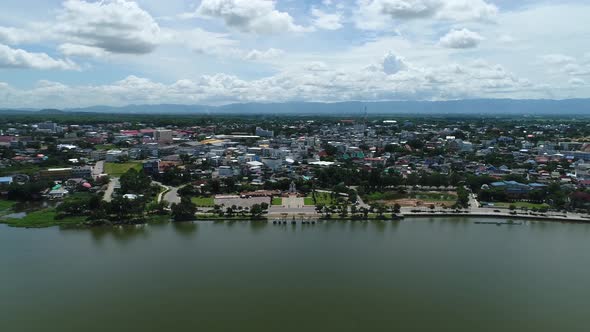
[{"x": 103, "y": 170}]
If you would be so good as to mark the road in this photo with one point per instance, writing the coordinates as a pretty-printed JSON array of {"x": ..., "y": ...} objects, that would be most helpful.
[
  {"x": 108, "y": 194},
  {"x": 98, "y": 169},
  {"x": 171, "y": 196}
]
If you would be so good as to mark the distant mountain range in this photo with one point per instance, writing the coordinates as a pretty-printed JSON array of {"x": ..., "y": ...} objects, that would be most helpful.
[{"x": 471, "y": 106}]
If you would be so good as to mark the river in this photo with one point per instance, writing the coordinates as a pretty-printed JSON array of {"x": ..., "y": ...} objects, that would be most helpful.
[{"x": 414, "y": 275}]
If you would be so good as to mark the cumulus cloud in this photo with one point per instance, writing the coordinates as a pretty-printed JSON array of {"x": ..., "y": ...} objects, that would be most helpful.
[
  {"x": 409, "y": 9},
  {"x": 114, "y": 26},
  {"x": 468, "y": 10},
  {"x": 271, "y": 53},
  {"x": 557, "y": 59},
  {"x": 251, "y": 16},
  {"x": 314, "y": 81},
  {"x": 202, "y": 41},
  {"x": 14, "y": 36},
  {"x": 69, "y": 49},
  {"x": 463, "y": 38},
  {"x": 17, "y": 58},
  {"x": 379, "y": 14},
  {"x": 575, "y": 69},
  {"x": 393, "y": 64},
  {"x": 326, "y": 21},
  {"x": 577, "y": 82}
]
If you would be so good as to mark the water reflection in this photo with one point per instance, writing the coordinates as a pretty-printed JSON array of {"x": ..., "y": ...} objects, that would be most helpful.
[
  {"x": 258, "y": 226},
  {"x": 185, "y": 229},
  {"x": 121, "y": 234}
]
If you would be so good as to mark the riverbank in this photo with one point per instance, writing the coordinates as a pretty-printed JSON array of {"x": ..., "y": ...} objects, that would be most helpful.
[{"x": 49, "y": 218}]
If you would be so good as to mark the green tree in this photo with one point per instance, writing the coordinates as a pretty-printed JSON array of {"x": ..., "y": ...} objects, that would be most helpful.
[{"x": 184, "y": 211}]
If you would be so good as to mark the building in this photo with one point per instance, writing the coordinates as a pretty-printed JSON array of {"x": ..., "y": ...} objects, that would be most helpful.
[
  {"x": 82, "y": 172},
  {"x": 225, "y": 171},
  {"x": 113, "y": 156},
  {"x": 264, "y": 133},
  {"x": 98, "y": 155},
  {"x": 5, "y": 181},
  {"x": 49, "y": 127},
  {"x": 163, "y": 136},
  {"x": 151, "y": 166}
]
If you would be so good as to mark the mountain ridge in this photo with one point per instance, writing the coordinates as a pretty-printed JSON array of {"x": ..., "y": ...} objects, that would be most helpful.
[{"x": 466, "y": 106}]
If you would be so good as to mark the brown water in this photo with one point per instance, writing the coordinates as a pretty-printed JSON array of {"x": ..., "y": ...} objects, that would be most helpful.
[{"x": 414, "y": 275}]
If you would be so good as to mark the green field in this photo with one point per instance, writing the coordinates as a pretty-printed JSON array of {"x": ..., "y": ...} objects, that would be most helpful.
[
  {"x": 520, "y": 205},
  {"x": 277, "y": 201},
  {"x": 41, "y": 219},
  {"x": 435, "y": 196},
  {"x": 321, "y": 198},
  {"x": 203, "y": 201},
  {"x": 6, "y": 207},
  {"x": 118, "y": 169}
]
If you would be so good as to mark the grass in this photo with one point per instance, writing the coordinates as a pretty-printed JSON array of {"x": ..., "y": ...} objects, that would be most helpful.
[
  {"x": 6, "y": 206},
  {"x": 436, "y": 197},
  {"x": 203, "y": 201},
  {"x": 277, "y": 201},
  {"x": 321, "y": 198},
  {"x": 520, "y": 205},
  {"x": 118, "y": 169},
  {"x": 41, "y": 219}
]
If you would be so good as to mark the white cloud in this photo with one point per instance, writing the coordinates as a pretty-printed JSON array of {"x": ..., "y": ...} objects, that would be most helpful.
[
  {"x": 463, "y": 38},
  {"x": 271, "y": 53},
  {"x": 326, "y": 21},
  {"x": 380, "y": 14},
  {"x": 575, "y": 69},
  {"x": 393, "y": 64},
  {"x": 314, "y": 81},
  {"x": 115, "y": 26},
  {"x": 557, "y": 59},
  {"x": 202, "y": 41},
  {"x": 251, "y": 16},
  {"x": 17, "y": 58},
  {"x": 468, "y": 10},
  {"x": 577, "y": 82},
  {"x": 69, "y": 49},
  {"x": 14, "y": 36}
]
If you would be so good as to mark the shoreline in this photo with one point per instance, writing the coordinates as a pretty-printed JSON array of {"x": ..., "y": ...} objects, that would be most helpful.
[{"x": 300, "y": 219}]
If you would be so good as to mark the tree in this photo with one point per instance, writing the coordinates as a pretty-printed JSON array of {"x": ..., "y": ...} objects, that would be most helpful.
[
  {"x": 158, "y": 208},
  {"x": 256, "y": 211},
  {"x": 462, "y": 197},
  {"x": 184, "y": 211},
  {"x": 134, "y": 182}
]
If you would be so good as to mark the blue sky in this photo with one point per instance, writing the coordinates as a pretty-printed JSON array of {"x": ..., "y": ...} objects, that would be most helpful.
[{"x": 115, "y": 52}]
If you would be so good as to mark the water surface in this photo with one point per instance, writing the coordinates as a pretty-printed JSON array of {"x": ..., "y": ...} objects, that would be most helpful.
[{"x": 414, "y": 275}]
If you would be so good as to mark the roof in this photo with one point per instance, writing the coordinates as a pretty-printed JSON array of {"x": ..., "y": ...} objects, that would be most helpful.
[{"x": 5, "y": 179}]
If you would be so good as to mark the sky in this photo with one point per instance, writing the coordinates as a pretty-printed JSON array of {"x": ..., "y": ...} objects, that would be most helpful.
[{"x": 78, "y": 53}]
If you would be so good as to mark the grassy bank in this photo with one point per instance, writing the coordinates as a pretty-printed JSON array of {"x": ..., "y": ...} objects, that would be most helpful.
[
  {"x": 41, "y": 219},
  {"x": 118, "y": 169},
  {"x": 203, "y": 201},
  {"x": 522, "y": 205},
  {"x": 6, "y": 207},
  {"x": 321, "y": 199}
]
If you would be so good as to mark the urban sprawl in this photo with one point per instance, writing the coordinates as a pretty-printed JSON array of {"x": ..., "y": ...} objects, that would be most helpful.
[{"x": 292, "y": 170}]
